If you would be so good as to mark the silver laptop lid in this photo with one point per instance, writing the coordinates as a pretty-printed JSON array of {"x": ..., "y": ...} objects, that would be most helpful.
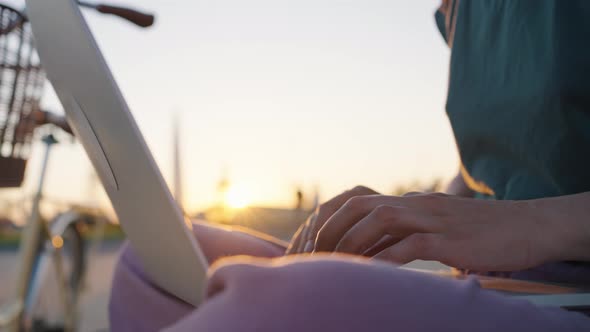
[{"x": 99, "y": 115}]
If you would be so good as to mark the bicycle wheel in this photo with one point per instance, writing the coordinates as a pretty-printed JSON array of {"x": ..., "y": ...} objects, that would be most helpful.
[{"x": 45, "y": 308}]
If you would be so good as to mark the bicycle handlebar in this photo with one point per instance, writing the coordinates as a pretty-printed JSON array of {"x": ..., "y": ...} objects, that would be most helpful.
[
  {"x": 136, "y": 17},
  {"x": 41, "y": 117},
  {"x": 58, "y": 121}
]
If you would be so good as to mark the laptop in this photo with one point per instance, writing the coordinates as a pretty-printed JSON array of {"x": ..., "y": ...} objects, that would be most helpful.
[
  {"x": 151, "y": 219},
  {"x": 100, "y": 117}
]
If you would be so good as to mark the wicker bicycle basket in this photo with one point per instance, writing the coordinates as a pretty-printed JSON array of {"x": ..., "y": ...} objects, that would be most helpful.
[{"x": 21, "y": 87}]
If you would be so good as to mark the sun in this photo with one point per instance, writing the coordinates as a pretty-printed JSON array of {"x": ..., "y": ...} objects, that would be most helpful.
[{"x": 237, "y": 197}]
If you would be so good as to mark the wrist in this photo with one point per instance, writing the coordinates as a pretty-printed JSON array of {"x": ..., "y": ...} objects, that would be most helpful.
[{"x": 564, "y": 229}]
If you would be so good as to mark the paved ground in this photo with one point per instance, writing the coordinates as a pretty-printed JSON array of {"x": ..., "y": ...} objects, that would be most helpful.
[
  {"x": 96, "y": 293},
  {"x": 93, "y": 304}
]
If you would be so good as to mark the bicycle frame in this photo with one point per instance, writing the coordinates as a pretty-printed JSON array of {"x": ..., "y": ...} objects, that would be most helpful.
[{"x": 34, "y": 233}]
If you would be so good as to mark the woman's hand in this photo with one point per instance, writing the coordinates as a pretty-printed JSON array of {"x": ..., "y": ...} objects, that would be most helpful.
[
  {"x": 304, "y": 239},
  {"x": 467, "y": 233}
]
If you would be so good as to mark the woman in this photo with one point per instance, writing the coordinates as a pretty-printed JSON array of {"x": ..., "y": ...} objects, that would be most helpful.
[{"x": 519, "y": 106}]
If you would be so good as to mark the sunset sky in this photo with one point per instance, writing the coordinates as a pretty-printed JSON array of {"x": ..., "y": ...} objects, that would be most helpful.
[{"x": 280, "y": 93}]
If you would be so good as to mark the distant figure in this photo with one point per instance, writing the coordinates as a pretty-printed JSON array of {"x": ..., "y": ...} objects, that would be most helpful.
[{"x": 299, "y": 194}]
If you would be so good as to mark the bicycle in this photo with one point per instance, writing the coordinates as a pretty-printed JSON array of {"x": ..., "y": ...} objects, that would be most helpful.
[{"x": 48, "y": 249}]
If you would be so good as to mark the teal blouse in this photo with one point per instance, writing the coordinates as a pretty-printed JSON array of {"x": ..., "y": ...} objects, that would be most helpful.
[{"x": 519, "y": 94}]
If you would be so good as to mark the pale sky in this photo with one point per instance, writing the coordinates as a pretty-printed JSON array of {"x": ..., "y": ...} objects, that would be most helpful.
[{"x": 280, "y": 93}]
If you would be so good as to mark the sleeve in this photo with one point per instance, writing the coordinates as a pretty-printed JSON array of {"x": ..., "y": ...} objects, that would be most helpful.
[
  {"x": 440, "y": 18},
  {"x": 446, "y": 18}
]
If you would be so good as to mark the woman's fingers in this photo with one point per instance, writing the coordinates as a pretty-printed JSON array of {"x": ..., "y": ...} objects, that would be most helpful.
[
  {"x": 397, "y": 221},
  {"x": 304, "y": 238},
  {"x": 385, "y": 242},
  {"x": 357, "y": 208},
  {"x": 425, "y": 246},
  {"x": 354, "y": 210},
  {"x": 296, "y": 240},
  {"x": 327, "y": 209},
  {"x": 301, "y": 237},
  {"x": 307, "y": 244},
  {"x": 367, "y": 232}
]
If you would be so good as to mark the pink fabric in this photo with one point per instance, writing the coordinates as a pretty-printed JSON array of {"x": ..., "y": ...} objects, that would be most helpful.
[{"x": 330, "y": 293}]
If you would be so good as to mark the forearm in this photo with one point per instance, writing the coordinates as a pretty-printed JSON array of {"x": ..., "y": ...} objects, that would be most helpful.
[{"x": 564, "y": 226}]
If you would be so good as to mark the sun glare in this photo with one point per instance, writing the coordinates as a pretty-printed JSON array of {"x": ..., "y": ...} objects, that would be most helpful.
[{"x": 237, "y": 197}]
